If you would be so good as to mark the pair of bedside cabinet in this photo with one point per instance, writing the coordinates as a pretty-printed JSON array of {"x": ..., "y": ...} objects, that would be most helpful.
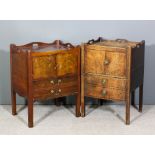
[{"x": 102, "y": 69}]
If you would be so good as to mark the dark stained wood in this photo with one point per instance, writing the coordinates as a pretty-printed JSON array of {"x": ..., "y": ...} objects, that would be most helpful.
[
  {"x": 19, "y": 70},
  {"x": 59, "y": 101},
  {"x": 112, "y": 70},
  {"x": 41, "y": 71},
  {"x": 137, "y": 60},
  {"x": 133, "y": 98},
  {"x": 95, "y": 41},
  {"x": 140, "y": 98},
  {"x": 13, "y": 95}
]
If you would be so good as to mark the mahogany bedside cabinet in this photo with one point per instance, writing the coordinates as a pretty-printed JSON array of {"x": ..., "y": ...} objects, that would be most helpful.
[
  {"x": 41, "y": 71},
  {"x": 112, "y": 70}
]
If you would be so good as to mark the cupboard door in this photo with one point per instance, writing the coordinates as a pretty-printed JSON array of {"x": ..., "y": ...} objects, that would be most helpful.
[
  {"x": 115, "y": 64},
  {"x": 67, "y": 63},
  {"x": 94, "y": 61},
  {"x": 44, "y": 67}
]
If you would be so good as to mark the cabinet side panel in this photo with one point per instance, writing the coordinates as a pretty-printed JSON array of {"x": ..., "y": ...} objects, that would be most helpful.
[
  {"x": 137, "y": 66},
  {"x": 19, "y": 71}
]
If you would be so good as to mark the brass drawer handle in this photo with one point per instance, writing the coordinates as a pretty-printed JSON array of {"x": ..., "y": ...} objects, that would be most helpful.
[
  {"x": 56, "y": 66},
  {"x": 52, "y": 81},
  {"x": 106, "y": 62},
  {"x": 59, "y": 80},
  {"x": 52, "y": 91},
  {"x": 59, "y": 90},
  {"x": 104, "y": 92},
  {"x": 104, "y": 81}
]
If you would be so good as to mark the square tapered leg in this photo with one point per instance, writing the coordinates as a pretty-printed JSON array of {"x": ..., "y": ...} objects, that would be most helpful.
[
  {"x": 13, "y": 98},
  {"x": 128, "y": 109},
  {"x": 140, "y": 98},
  {"x": 30, "y": 113}
]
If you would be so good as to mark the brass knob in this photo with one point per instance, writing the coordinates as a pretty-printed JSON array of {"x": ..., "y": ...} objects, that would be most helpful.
[
  {"x": 56, "y": 66},
  {"x": 104, "y": 92},
  {"x": 52, "y": 81},
  {"x": 104, "y": 81},
  {"x": 59, "y": 90},
  {"x": 52, "y": 91},
  {"x": 59, "y": 80},
  {"x": 106, "y": 62}
]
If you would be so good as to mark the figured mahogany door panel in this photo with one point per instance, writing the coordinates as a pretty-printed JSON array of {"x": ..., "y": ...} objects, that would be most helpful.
[
  {"x": 67, "y": 63},
  {"x": 54, "y": 82},
  {"x": 55, "y": 92},
  {"x": 115, "y": 64},
  {"x": 94, "y": 61},
  {"x": 44, "y": 67},
  {"x": 104, "y": 93},
  {"x": 104, "y": 81}
]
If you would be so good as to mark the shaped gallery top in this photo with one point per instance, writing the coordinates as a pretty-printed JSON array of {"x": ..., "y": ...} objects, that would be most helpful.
[
  {"x": 120, "y": 43},
  {"x": 57, "y": 45}
]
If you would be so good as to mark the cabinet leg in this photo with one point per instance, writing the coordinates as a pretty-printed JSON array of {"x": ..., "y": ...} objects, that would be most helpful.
[
  {"x": 56, "y": 102},
  {"x": 133, "y": 98},
  {"x": 82, "y": 107},
  {"x": 26, "y": 102},
  {"x": 78, "y": 104},
  {"x": 82, "y": 97},
  {"x": 140, "y": 98},
  {"x": 30, "y": 113},
  {"x": 59, "y": 101},
  {"x": 64, "y": 100},
  {"x": 101, "y": 101},
  {"x": 13, "y": 98},
  {"x": 128, "y": 110}
]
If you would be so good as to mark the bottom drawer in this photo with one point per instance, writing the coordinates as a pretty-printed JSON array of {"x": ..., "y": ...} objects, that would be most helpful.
[
  {"x": 104, "y": 93},
  {"x": 55, "y": 92}
]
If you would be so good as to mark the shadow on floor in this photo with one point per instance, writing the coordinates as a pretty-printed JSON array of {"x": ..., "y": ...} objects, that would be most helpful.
[{"x": 70, "y": 107}]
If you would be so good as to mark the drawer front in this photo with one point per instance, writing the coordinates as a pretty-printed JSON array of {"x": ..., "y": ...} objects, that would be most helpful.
[
  {"x": 106, "y": 82},
  {"x": 43, "y": 67},
  {"x": 67, "y": 63},
  {"x": 104, "y": 93},
  {"x": 55, "y": 82},
  {"x": 55, "y": 92},
  {"x": 115, "y": 64}
]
